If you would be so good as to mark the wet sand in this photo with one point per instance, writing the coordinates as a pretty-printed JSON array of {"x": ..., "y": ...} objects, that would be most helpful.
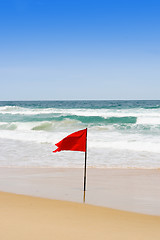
[{"x": 135, "y": 190}]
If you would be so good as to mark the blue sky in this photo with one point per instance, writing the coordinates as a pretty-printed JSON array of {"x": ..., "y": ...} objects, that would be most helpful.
[{"x": 81, "y": 49}]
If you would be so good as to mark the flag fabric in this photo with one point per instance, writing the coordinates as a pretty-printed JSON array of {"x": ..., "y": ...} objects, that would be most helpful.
[{"x": 73, "y": 142}]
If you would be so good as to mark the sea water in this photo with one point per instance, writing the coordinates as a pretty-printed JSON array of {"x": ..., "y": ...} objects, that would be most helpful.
[{"x": 121, "y": 134}]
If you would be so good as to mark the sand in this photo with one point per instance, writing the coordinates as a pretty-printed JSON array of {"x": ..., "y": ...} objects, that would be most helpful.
[
  {"x": 39, "y": 216},
  {"x": 136, "y": 190},
  {"x": 32, "y": 218}
]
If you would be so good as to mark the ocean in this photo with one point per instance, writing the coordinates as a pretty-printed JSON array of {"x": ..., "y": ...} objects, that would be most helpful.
[{"x": 121, "y": 134}]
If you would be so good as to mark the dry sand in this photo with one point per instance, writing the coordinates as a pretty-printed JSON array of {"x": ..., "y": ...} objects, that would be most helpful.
[{"x": 32, "y": 218}]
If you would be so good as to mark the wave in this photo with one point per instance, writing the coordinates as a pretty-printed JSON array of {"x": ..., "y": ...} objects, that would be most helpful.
[
  {"x": 33, "y": 110},
  {"x": 102, "y": 120},
  {"x": 152, "y": 107},
  {"x": 30, "y": 107},
  {"x": 16, "y": 113},
  {"x": 54, "y": 125},
  {"x": 119, "y": 134},
  {"x": 75, "y": 121},
  {"x": 6, "y": 126},
  {"x": 91, "y": 120},
  {"x": 71, "y": 124},
  {"x": 50, "y": 118},
  {"x": 25, "y": 111}
]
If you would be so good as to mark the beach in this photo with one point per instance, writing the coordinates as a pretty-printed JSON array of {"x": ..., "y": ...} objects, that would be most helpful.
[
  {"x": 48, "y": 204},
  {"x": 33, "y": 218},
  {"x": 79, "y": 120},
  {"x": 26, "y": 217}
]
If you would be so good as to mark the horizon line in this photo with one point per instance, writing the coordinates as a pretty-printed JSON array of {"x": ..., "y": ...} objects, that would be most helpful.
[{"x": 61, "y": 100}]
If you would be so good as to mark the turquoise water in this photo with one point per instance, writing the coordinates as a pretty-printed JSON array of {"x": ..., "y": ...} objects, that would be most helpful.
[{"x": 121, "y": 134}]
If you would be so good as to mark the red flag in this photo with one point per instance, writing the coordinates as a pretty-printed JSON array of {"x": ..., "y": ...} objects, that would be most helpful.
[{"x": 73, "y": 142}]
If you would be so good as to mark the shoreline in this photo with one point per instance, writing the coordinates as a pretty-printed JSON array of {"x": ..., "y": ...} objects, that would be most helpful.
[
  {"x": 75, "y": 167},
  {"x": 134, "y": 190},
  {"x": 26, "y": 217}
]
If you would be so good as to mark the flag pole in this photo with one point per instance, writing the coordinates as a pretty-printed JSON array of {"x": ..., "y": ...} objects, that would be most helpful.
[{"x": 85, "y": 170}]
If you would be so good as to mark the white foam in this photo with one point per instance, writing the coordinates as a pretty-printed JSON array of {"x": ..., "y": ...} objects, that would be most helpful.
[{"x": 149, "y": 120}]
